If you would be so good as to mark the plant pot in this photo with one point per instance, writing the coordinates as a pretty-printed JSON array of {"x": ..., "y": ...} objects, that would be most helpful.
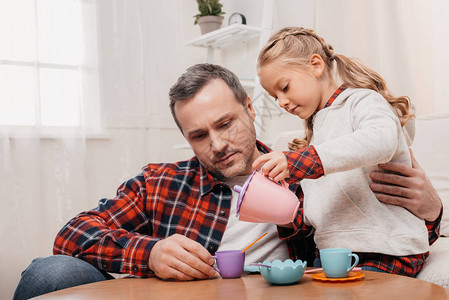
[{"x": 209, "y": 23}]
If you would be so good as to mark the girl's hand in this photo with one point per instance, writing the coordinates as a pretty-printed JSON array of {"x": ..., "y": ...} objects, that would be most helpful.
[{"x": 274, "y": 165}]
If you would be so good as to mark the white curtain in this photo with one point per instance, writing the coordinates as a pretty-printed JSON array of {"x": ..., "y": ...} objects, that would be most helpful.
[{"x": 43, "y": 169}]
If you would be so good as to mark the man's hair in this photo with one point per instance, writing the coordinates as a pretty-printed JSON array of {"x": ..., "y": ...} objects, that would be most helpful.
[{"x": 198, "y": 76}]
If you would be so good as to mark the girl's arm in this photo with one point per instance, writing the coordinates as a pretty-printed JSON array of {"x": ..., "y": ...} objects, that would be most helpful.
[
  {"x": 374, "y": 140},
  {"x": 273, "y": 164},
  {"x": 375, "y": 137},
  {"x": 303, "y": 163}
]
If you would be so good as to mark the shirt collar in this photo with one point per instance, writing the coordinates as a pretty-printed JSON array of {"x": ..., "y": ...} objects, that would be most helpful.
[{"x": 335, "y": 95}]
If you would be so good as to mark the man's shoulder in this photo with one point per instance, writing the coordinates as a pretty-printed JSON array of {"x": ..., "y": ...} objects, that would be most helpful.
[
  {"x": 186, "y": 175},
  {"x": 171, "y": 169}
]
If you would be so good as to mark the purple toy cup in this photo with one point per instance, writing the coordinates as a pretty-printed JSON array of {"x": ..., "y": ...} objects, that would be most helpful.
[{"x": 230, "y": 263}]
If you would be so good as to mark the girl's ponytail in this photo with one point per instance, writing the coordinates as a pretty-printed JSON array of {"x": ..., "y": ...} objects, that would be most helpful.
[{"x": 355, "y": 74}]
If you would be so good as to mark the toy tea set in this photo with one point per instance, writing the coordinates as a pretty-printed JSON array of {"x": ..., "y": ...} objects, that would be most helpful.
[{"x": 257, "y": 198}]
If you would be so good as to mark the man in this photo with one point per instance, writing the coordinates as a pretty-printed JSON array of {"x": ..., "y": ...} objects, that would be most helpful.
[{"x": 170, "y": 218}]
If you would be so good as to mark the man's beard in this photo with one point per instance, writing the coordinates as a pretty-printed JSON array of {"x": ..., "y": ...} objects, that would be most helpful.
[{"x": 221, "y": 175}]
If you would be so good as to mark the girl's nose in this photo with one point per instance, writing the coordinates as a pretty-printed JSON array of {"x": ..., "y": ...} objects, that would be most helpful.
[{"x": 283, "y": 102}]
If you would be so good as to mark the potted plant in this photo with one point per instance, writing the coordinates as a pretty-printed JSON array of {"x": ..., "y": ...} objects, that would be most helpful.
[{"x": 210, "y": 15}]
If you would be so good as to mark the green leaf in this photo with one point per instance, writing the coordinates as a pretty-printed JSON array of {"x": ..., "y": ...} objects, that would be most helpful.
[{"x": 208, "y": 8}]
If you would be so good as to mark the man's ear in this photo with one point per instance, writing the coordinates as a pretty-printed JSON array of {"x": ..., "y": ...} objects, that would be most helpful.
[
  {"x": 317, "y": 63},
  {"x": 250, "y": 107}
]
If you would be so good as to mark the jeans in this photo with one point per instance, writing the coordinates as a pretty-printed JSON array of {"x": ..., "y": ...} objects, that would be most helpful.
[{"x": 57, "y": 272}]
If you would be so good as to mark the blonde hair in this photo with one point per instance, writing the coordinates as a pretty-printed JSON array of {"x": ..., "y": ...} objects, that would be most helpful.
[{"x": 295, "y": 46}]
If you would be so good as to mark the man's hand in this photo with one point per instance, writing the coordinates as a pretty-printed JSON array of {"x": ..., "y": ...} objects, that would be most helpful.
[
  {"x": 178, "y": 257},
  {"x": 274, "y": 165},
  {"x": 409, "y": 188}
]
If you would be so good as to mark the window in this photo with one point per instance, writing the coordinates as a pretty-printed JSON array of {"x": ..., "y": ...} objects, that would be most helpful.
[{"x": 42, "y": 62}]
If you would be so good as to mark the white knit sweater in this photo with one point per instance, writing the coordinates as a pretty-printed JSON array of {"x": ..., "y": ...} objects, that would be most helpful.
[{"x": 357, "y": 132}]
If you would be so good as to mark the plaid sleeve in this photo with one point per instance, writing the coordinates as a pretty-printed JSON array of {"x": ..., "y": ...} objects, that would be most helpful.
[
  {"x": 433, "y": 228},
  {"x": 400, "y": 265},
  {"x": 304, "y": 163},
  {"x": 111, "y": 237}
]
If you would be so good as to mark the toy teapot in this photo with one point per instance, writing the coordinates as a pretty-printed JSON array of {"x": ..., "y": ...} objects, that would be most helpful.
[{"x": 261, "y": 200}]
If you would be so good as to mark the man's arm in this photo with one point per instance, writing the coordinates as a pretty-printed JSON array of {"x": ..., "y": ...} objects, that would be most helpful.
[
  {"x": 409, "y": 187},
  {"x": 117, "y": 237}
]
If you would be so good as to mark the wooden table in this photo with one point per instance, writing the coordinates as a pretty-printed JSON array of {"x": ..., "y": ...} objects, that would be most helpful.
[{"x": 253, "y": 286}]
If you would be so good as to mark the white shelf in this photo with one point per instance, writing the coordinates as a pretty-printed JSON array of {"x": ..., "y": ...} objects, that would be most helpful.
[{"x": 226, "y": 36}]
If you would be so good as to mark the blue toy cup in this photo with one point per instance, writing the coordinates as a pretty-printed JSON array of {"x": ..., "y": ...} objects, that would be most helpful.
[{"x": 336, "y": 262}]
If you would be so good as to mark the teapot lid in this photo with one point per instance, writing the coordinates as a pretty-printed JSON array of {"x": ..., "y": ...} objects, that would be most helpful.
[{"x": 241, "y": 190}]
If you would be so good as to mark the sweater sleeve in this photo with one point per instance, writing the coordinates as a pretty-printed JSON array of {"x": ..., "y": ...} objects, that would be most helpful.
[
  {"x": 374, "y": 140},
  {"x": 111, "y": 237}
]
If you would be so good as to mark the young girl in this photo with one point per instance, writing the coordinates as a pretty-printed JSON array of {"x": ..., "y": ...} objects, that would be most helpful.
[{"x": 353, "y": 123}]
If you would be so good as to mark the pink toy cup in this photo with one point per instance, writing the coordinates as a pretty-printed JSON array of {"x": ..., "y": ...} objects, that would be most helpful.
[
  {"x": 230, "y": 263},
  {"x": 262, "y": 200}
]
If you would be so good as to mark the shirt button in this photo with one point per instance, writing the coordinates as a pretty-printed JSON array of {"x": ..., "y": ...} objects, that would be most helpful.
[
  {"x": 135, "y": 269},
  {"x": 105, "y": 266},
  {"x": 222, "y": 212},
  {"x": 211, "y": 248}
]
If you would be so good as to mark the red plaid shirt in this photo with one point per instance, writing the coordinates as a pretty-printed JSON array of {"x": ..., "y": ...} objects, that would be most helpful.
[
  {"x": 305, "y": 163},
  {"x": 164, "y": 199}
]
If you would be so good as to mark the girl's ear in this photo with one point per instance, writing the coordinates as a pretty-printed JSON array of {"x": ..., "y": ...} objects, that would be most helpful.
[{"x": 317, "y": 64}]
